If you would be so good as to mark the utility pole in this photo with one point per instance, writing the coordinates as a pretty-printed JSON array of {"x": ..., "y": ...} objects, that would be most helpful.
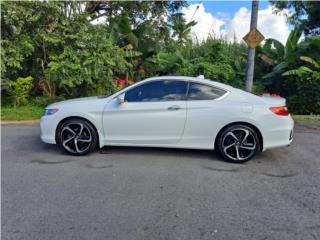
[{"x": 251, "y": 51}]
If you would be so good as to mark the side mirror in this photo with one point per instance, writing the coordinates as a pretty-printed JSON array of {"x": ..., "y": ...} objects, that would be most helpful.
[{"x": 121, "y": 98}]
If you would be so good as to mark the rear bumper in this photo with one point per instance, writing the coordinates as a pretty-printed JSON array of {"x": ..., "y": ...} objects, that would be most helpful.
[{"x": 280, "y": 134}]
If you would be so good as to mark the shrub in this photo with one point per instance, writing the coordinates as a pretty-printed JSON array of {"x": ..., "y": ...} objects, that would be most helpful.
[
  {"x": 19, "y": 90},
  {"x": 44, "y": 101},
  {"x": 307, "y": 101}
]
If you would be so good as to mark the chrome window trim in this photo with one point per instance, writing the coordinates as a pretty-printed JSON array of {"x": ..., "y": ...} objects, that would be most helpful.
[
  {"x": 188, "y": 81},
  {"x": 154, "y": 80},
  {"x": 227, "y": 92}
]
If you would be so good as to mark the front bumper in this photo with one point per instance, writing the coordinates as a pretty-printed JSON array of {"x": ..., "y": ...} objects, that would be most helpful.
[{"x": 48, "y": 129}]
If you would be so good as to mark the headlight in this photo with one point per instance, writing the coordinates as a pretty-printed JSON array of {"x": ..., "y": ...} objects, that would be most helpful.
[{"x": 50, "y": 111}]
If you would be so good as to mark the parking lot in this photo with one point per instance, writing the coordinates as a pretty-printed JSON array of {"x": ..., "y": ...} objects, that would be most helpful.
[{"x": 150, "y": 193}]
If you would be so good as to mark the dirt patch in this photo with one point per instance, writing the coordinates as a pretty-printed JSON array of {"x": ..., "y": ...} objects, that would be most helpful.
[
  {"x": 49, "y": 162},
  {"x": 280, "y": 175},
  {"x": 97, "y": 166},
  {"x": 104, "y": 151},
  {"x": 221, "y": 169}
]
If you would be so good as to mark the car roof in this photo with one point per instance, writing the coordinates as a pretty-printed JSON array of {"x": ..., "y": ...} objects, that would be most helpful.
[{"x": 194, "y": 79}]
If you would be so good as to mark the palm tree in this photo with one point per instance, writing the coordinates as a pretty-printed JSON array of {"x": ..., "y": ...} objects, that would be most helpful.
[
  {"x": 306, "y": 71},
  {"x": 180, "y": 28},
  {"x": 284, "y": 57},
  {"x": 279, "y": 56}
]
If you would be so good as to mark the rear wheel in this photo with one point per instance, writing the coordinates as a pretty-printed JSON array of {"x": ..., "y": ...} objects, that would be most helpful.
[
  {"x": 77, "y": 137},
  {"x": 238, "y": 143}
]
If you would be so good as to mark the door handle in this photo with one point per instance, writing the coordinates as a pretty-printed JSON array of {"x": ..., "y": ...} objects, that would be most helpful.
[{"x": 174, "y": 107}]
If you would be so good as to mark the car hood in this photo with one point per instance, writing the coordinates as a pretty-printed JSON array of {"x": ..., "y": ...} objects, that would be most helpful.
[{"x": 78, "y": 100}]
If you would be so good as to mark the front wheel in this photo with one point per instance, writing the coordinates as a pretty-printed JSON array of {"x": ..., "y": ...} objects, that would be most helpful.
[
  {"x": 238, "y": 143},
  {"x": 77, "y": 137}
]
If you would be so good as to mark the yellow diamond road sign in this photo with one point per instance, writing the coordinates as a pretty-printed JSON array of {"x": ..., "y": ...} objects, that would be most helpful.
[{"x": 253, "y": 38}]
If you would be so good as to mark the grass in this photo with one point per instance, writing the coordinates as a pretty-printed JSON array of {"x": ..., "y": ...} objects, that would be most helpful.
[
  {"x": 29, "y": 112},
  {"x": 306, "y": 119}
]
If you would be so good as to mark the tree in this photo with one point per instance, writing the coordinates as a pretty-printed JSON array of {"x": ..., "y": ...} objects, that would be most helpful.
[
  {"x": 303, "y": 70},
  {"x": 181, "y": 29},
  {"x": 140, "y": 23},
  {"x": 55, "y": 43},
  {"x": 302, "y": 12},
  {"x": 210, "y": 58},
  {"x": 280, "y": 57},
  {"x": 87, "y": 61},
  {"x": 290, "y": 76}
]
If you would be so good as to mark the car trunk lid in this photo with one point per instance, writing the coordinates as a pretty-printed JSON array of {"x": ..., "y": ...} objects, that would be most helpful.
[{"x": 273, "y": 100}]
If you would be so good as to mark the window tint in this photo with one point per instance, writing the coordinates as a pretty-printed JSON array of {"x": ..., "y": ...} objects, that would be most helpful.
[
  {"x": 199, "y": 91},
  {"x": 165, "y": 90}
]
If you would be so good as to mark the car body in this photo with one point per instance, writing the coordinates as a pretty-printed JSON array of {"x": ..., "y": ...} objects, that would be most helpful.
[{"x": 173, "y": 112}]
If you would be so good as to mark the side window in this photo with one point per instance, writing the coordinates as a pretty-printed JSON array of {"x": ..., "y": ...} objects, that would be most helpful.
[
  {"x": 164, "y": 90},
  {"x": 199, "y": 91}
]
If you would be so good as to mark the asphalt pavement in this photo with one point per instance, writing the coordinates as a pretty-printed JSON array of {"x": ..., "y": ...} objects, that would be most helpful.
[{"x": 149, "y": 193}]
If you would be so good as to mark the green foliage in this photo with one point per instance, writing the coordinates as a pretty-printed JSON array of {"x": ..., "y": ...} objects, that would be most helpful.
[
  {"x": 213, "y": 58},
  {"x": 87, "y": 61},
  {"x": 167, "y": 63},
  {"x": 281, "y": 56},
  {"x": 66, "y": 54},
  {"x": 57, "y": 44},
  {"x": 308, "y": 100},
  {"x": 216, "y": 72},
  {"x": 258, "y": 87},
  {"x": 140, "y": 23},
  {"x": 307, "y": 83},
  {"x": 16, "y": 43},
  {"x": 44, "y": 101},
  {"x": 19, "y": 90},
  {"x": 278, "y": 59}
]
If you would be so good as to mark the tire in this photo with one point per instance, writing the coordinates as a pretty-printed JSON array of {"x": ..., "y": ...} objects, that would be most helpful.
[
  {"x": 238, "y": 143},
  {"x": 77, "y": 137}
]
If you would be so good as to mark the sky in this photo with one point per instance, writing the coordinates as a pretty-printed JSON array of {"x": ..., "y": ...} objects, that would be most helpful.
[{"x": 230, "y": 20}]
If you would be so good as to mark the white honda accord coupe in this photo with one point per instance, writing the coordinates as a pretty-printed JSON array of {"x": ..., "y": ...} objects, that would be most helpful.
[{"x": 171, "y": 112}]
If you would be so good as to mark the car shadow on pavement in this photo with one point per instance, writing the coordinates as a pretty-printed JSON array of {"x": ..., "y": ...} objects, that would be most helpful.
[
  {"x": 267, "y": 157},
  {"x": 165, "y": 152},
  {"x": 146, "y": 151}
]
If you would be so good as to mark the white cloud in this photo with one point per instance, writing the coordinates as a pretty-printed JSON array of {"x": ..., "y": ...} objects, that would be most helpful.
[
  {"x": 225, "y": 16},
  {"x": 270, "y": 24},
  {"x": 206, "y": 23}
]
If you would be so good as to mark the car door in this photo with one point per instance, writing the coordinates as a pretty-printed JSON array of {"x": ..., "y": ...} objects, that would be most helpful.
[
  {"x": 153, "y": 112},
  {"x": 205, "y": 112}
]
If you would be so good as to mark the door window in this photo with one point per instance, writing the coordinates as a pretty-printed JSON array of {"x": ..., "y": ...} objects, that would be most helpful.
[
  {"x": 154, "y": 91},
  {"x": 198, "y": 91}
]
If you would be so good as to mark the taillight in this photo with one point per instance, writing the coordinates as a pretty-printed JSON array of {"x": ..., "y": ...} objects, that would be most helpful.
[{"x": 282, "y": 111}]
